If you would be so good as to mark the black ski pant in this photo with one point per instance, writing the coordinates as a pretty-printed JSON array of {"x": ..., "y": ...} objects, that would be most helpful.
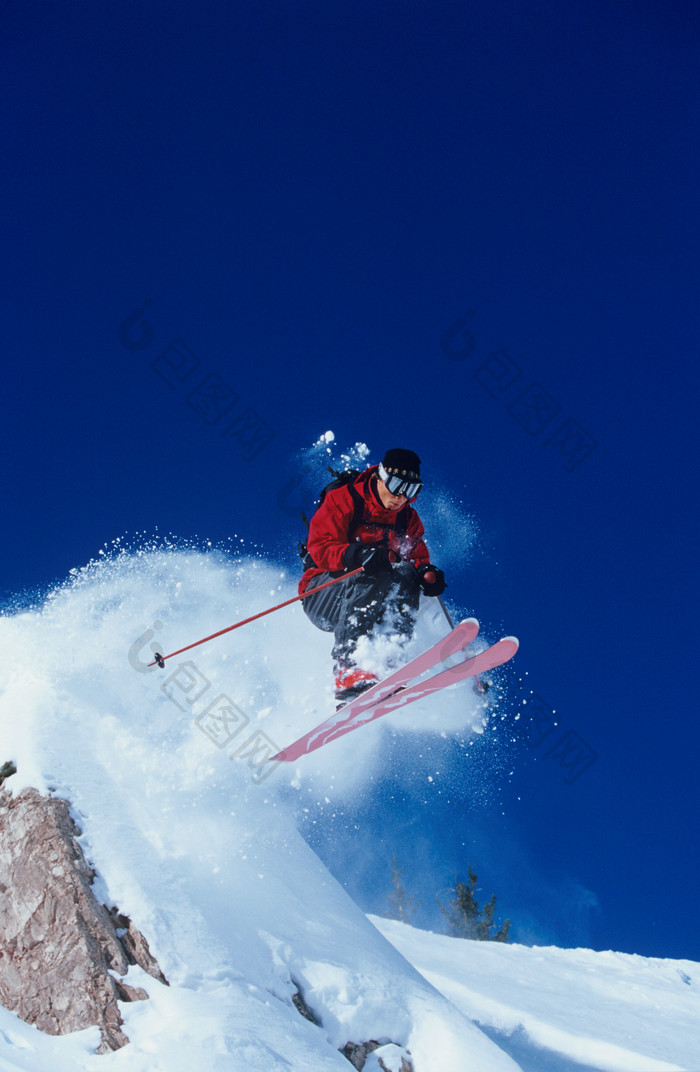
[{"x": 350, "y": 609}]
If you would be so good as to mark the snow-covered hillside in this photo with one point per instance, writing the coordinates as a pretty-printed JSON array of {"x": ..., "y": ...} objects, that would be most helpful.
[
  {"x": 556, "y": 1010},
  {"x": 198, "y": 844}
]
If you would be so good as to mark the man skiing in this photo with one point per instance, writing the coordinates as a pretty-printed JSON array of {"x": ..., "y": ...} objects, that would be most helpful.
[{"x": 368, "y": 521}]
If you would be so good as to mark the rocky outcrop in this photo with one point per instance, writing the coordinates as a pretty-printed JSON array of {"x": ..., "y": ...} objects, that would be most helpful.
[
  {"x": 390, "y": 1057},
  {"x": 61, "y": 952},
  {"x": 63, "y": 955}
]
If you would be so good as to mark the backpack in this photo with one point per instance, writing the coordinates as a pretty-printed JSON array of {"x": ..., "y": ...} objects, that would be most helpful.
[{"x": 340, "y": 479}]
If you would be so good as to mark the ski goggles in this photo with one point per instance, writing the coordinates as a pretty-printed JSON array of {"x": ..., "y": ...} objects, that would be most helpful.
[{"x": 400, "y": 483}]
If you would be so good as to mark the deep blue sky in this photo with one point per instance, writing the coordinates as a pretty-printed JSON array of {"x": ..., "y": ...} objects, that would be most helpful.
[{"x": 463, "y": 228}]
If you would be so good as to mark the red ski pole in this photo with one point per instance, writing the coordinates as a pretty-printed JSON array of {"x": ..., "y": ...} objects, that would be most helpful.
[{"x": 160, "y": 659}]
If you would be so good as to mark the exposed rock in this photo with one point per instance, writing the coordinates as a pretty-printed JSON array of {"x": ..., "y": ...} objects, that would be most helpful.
[
  {"x": 392, "y": 1058},
  {"x": 301, "y": 1006},
  {"x": 357, "y": 1054},
  {"x": 58, "y": 945},
  {"x": 135, "y": 945}
]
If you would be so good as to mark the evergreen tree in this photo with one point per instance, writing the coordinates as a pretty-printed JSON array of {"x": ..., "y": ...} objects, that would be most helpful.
[
  {"x": 401, "y": 906},
  {"x": 7, "y": 770},
  {"x": 465, "y": 919}
]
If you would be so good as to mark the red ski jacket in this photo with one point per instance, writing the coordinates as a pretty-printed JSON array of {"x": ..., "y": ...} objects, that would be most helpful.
[{"x": 354, "y": 514}]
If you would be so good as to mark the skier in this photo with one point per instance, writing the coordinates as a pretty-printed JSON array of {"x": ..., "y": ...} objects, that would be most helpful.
[{"x": 368, "y": 521}]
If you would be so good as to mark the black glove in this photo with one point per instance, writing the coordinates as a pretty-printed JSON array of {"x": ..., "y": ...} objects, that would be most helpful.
[
  {"x": 432, "y": 580},
  {"x": 374, "y": 560}
]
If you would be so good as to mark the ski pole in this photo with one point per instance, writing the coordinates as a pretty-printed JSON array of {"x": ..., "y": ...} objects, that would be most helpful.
[
  {"x": 446, "y": 612},
  {"x": 160, "y": 659}
]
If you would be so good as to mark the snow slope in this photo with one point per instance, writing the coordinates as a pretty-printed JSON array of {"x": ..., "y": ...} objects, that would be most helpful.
[
  {"x": 566, "y": 1008},
  {"x": 198, "y": 843}
]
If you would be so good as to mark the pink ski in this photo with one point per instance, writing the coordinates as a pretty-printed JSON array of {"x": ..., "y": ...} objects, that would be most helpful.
[
  {"x": 488, "y": 659},
  {"x": 391, "y": 694},
  {"x": 456, "y": 640}
]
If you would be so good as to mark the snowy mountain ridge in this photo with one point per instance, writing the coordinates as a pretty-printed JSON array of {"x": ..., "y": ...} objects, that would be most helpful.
[{"x": 204, "y": 855}]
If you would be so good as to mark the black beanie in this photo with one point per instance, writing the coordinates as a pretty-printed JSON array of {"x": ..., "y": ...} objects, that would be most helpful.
[{"x": 402, "y": 463}]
